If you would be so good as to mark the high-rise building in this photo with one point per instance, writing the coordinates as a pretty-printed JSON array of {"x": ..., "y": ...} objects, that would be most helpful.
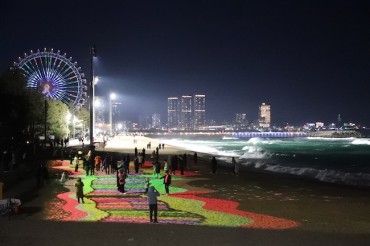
[
  {"x": 145, "y": 122},
  {"x": 173, "y": 112},
  {"x": 199, "y": 111},
  {"x": 264, "y": 118},
  {"x": 241, "y": 119},
  {"x": 186, "y": 113},
  {"x": 156, "y": 121}
]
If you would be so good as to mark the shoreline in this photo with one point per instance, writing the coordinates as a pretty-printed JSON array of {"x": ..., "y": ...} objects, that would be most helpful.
[
  {"x": 327, "y": 214},
  {"x": 126, "y": 144}
]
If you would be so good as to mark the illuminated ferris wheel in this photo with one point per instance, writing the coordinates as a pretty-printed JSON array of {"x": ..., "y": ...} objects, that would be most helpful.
[{"x": 54, "y": 75}]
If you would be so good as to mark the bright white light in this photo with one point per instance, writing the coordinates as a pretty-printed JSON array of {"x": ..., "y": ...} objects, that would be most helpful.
[
  {"x": 68, "y": 117},
  {"x": 97, "y": 103},
  {"x": 96, "y": 80},
  {"x": 113, "y": 96},
  {"x": 75, "y": 119}
]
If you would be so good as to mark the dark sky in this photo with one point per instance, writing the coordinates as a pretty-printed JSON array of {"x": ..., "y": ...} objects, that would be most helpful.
[{"x": 310, "y": 60}]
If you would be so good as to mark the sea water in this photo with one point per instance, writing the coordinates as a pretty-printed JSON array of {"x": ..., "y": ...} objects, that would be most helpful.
[{"x": 335, "y": 160}]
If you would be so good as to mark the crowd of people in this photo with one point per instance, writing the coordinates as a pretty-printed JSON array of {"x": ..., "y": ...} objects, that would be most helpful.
[{"x": 110, "y": 163}]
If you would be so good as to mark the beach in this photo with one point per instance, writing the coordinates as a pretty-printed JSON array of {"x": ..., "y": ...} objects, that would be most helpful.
[
  {"x": 285, "y": 209},
  {"x": 127, "y": 144},
  {"x": 317, "y": 206}
]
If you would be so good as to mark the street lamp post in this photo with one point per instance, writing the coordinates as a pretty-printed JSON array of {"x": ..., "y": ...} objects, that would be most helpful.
[
  {"x": 112, "y": 96},
  {"x": 91, "y": 95},
  {"x": 95, "y": 81}
]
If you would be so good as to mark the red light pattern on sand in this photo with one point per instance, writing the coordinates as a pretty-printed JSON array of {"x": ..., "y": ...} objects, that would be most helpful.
[
  {"x": 260, "y": 221},
  {"x": 70, "y": 206}
]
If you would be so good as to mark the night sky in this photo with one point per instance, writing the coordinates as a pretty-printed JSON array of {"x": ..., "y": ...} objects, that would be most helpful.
[{"x": 310, "y": 60}]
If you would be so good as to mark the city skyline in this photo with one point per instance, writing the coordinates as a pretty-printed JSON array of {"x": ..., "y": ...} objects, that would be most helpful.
[{"x": 309, "y": 60}]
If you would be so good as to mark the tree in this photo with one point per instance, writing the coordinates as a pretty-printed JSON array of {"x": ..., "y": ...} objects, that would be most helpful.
[
  {"x": 17, "y": 113},
  {"x": 23, "y": 110},
  {"x": 57, "y": 118}
]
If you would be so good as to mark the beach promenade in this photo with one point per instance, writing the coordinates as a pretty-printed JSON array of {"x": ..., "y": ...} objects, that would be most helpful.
[{"x": 202, "y": 208}]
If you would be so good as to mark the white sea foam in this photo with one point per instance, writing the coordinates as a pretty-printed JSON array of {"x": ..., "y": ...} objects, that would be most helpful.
[
  {"x": 192, "y": 145},
  {"x": 254, "y": 140},
  {"x": 329, "y": 139},
  {"x": 257, "y": 152},
  {"x": 361, "y": 141},
  {"x": 324, "y": 175},
  {"x": 253, "y": 152},
  {"x": 227, "y": 138}
]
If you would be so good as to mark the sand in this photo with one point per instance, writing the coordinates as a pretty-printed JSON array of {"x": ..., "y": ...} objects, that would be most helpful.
[
  {"x": 317, "y": 206},
  {"x": 327, "y": 214},
  {"x": 127, "y": 144}
]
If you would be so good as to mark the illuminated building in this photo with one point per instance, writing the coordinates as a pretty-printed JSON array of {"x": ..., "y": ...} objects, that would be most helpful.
[
  {"x": 145, "y": 122},
  {"x": 186, "y": 113},
  {"x": 199, "y": 111},
  {"x": 264, "y": 117},
  {"x": 156, "y": 121},
  {"x": 173, "y": 112},
  {"x": 241, "y": 119}
]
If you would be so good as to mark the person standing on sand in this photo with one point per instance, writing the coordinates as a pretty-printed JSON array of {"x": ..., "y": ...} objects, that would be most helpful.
[
  {"x": 105, "y": 164},
  {"x": 185, "y": 159},
  {"x": 147, "y": 184},
  {"x": 195, "y": 158},
  {"x": 79, "y": 190},
  {"x": 98, "y": 163},
  {"x": 136, "y": 165},
  {"x": 167, "y": 182},
  {"x": 75, "y": 162},
  {"x": 42, "y": 175},
  {"x": 127, "y": 164},
  {"x": 153, "y": 207},
  {"x": 152, "y": 157},
  {"x": 140, "y": 159},
  {"x": 181, "y": 164},
  {"x": 174, "y": 164},
  {"x": 143, "y": 156},
  {"x": 157, "y": 169},
  {"x": 214, "y": 164},
  {"x": 236, "y": 166},
  {"x": 86, "y": 166},
  {"x": 165, "y": 166},
  {"x": 121, "y": 181}
]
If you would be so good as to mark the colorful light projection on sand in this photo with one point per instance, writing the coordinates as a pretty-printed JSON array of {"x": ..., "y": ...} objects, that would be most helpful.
[{"x": 104, "y": 203}]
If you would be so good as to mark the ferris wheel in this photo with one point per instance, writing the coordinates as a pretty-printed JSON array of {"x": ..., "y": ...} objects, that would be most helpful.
[{"x": 54, "y": 75}]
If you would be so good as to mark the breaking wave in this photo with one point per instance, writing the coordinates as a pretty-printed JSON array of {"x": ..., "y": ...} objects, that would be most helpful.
[{"x": 357, "y": 179}]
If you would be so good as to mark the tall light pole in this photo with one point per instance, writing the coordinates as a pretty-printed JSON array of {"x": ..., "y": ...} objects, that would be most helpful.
[
  {"x": 112, "y": 96},
  {"x": 95, "y": 81},
  {"x": 91, "y": 94}
]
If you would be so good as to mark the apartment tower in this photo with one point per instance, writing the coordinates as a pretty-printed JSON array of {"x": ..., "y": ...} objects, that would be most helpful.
[
  {"x": 199, "y": 111},
  {"x": 264, "y": 118},
  {"x": 173, "y": 112}
]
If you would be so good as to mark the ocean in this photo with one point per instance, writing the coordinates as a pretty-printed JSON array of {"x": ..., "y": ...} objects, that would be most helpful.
[{"x": 343, "y": 161}]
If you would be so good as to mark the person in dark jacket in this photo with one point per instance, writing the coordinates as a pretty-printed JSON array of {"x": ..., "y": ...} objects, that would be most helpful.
[
  {"x": 174, "y": 164},
  {"x": 214, "y": 165},
  {"x": 167, "y": 182},
  {"x": 79, "y": 190},
  {"x": 152, "y": 200}
]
